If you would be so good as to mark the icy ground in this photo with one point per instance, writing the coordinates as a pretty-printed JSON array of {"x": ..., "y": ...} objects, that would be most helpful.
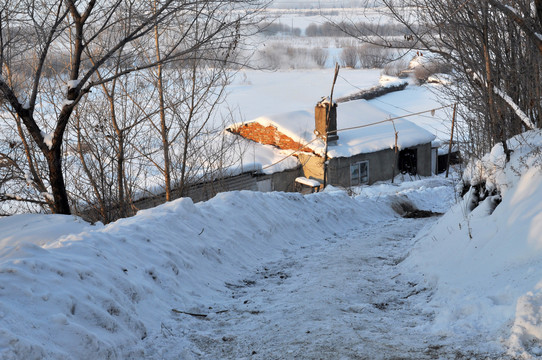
[{"x": 342, "y": 298}]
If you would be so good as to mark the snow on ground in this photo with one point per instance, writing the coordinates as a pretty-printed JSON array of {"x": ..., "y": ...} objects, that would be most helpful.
[
  {"x": 486, "y": 262},
  {"x": 119, "y": 291},
  {"x": 282, "y": 275},
  {"x": 340, "y": 297},
  {"x": 275, "y": 275},
  {"x": 259, "y": 93}
]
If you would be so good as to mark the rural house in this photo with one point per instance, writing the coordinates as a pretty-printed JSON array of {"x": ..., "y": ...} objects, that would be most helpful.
[{"x": 361, "y": 149}]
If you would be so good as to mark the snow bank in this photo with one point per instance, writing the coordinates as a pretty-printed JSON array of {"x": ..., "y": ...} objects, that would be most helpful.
[
  {"x": 485, "y": 265},
  {"x": 108, "y": 292}
]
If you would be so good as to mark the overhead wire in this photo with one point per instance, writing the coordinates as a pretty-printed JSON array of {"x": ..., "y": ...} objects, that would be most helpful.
[
  {"x": 394, "y": 118},
  {"x": 383, "y": 102},
  {"x": 291, "y": 154}
]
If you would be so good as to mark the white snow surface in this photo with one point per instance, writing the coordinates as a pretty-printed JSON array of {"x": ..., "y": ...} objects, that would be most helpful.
[
  {"x": 486, "y": 264},
  {"x": 290, "y": 96},
  {"x": 309, "y": 182},
  {"x": 72, "y": 290},
  {"x": 66, "y": 102},
  {"x": 72, "y": 84},
  {"x": 373, "y": 137},
  {"x": 259, "y": 158},
  {"x": 416, "y": 99},
  {"x": 281, "y": 275},
  {"x": 48, "y": 139},
  {"x": 256, "y": 93},
  {"x": 253, "y": 93}
]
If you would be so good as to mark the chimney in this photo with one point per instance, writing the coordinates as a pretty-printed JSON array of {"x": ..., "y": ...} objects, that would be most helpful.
[{"x": 320, "y": 117}]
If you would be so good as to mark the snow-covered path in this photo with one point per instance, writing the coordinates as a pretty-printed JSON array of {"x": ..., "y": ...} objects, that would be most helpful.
[
  {"x": 340, "y": 299},
  {"x": 252, "y": 275}
]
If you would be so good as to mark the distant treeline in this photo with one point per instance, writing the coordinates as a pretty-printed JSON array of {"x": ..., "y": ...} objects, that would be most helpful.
[
  {"x": 341, "y": 29},
  {"x": 359, "y": 29},
  {"x": 270, "y": 29}
]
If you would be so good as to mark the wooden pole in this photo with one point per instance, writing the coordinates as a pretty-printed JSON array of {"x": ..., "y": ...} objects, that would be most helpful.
[
  {"x": 328, "y": 114},
  {"x": 451, "y": 141},
  {"x": 395, "y": 158}
]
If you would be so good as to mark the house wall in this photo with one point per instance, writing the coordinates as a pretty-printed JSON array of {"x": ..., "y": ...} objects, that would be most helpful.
[
  {"x": 268, "y": 135},
  {"x": 312, "y": 166},
  {"x": 281, "y": 181},
  {"x": 285, "y": 180},
  {"x": 424, "y": 160},
  {"x": 380, "y": 165}
]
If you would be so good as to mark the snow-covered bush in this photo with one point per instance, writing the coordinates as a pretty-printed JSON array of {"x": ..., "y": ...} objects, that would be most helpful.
[
  {"x": 349, "y": 57},
  {"x": 319, "y": 56},
  {"x": 492, "y": 175},
  {"x": 423, "y": 67},
  {"x": 373, "y": 56},
  {"x": 282, "y": 55}
]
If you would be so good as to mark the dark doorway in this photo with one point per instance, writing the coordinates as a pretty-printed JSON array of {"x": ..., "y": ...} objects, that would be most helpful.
[
  {"x": 408, "y": 161},
  {"x": 443, "y": 161}
]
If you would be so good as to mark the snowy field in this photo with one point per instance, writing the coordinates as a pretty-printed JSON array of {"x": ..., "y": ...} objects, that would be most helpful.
[{"x": 256, "y": 93}]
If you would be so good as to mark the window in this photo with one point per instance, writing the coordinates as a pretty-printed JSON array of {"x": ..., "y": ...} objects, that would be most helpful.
[{"x": 359, "y": 173}]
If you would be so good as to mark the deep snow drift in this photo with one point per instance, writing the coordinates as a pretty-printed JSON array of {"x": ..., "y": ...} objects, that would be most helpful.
[{"x": 486, "y": 262}]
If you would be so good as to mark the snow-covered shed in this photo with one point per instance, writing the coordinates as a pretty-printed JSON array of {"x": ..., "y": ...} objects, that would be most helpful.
[{"x": 364, "y": 151}]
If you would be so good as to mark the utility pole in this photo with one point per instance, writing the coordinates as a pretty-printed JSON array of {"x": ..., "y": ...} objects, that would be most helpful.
[
  {"x": 395, "y": 155},
  {"x": 451, "y": 141},
  {"x": 328, "y": 113}
]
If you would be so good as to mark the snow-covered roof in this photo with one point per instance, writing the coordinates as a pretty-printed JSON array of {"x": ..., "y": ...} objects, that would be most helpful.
[
  {"x": 265, "y": 159},
  {"x": 309, "y": 182},
  {"x": 299, "y": 126}
]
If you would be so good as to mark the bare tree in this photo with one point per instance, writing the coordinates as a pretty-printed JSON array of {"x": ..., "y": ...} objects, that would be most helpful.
[
  {"x": 33, "y": 34},
  {"x": 495, "y": 55},
  {"x": 320, "y": 56}
]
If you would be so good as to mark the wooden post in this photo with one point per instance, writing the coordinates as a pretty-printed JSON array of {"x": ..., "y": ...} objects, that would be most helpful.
[
  {"x": 451, "y": 141},
  {"x": 328, "y": 113},
  {"x": 395, "y": 158}
]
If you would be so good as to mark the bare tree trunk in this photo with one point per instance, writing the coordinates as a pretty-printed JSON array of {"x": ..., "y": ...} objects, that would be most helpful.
[
  {"x": 56, "y": 180},
  {"x": 164, "y": 130},
  {"x": 497, "y": 125}
]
